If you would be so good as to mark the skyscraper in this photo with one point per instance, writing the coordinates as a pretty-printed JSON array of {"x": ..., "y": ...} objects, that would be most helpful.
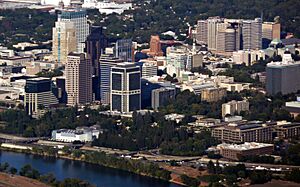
[
  {"x": 64, "y": 40},
  {"x": 226, "y": 40},
  {"x": 78, "y": 79},
  {"x": 125, "y": 88},
  {"x": 201, "y": 31},
  {"x": 38, "y": 94},
  {"x": 106, "y": 63},
  {"x": 252, "y": 34},
  {"x": 123, "y": 50},
  {"x": 270, "y": 31},
  {"x": 212, "y": 29},
  {"x": 79, "y": 18},
  {"x": 95, "y": 46}
]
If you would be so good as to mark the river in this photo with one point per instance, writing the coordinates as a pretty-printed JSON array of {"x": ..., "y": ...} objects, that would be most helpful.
[{"x": 97, "y": 175}]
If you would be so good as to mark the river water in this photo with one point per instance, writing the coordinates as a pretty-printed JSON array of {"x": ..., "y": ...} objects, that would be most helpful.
[{"x": 97, "y": 175}]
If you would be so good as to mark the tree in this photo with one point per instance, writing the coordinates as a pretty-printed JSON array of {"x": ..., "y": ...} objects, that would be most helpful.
[
  {"x": 294, "y": 175},
  {"x": 48, "y": 178},
  {"x": 260, "y": 177},
  {"x": 211, "y": 167},
  {"x": 4, "y": 166},
  {"x": 13, "y": 170},
  {"x": 28, "y": 171},
  {"x": 189, "y": 181},
  {"x": 77, "y": 153}
]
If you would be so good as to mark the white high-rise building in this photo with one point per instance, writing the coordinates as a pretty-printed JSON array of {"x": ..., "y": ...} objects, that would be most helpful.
[{"x": 79, "y": 18}]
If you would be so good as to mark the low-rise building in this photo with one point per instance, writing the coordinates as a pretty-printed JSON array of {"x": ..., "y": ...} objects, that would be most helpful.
[
  {"x": 15, "y": 60},
  {"x": 287, "y": 129},
  {"x": 161, "y": 96},
  {"x": 82, "y": 134},
  {"x": 244, "y": 132},
  {"x": 293, "y": 107},
  {"x": 235, "y": 86},
  {"x": 174, "y": 117},
  {"x": 213, "y": 94},
  {"x": 234, "y": 107},
  {"x": 236, "y": 152},
  {"x": 203, "y": 124},
  {"x": 248, "y": 57}
]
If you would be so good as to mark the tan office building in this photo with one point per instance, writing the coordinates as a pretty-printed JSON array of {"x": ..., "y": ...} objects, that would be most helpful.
[
  {"x": 64, "y": 40},
  {"x": 239, "y": 133},
  {"x": 271, "y": 30},
  {"x": 213, "y": 94},
  {"x": 78, "y": 79}
]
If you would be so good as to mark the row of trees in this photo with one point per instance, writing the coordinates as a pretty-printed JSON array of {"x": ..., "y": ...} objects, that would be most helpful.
[
  {"x": 18, "y": 122},
  {"x": 134, "y": 166}
]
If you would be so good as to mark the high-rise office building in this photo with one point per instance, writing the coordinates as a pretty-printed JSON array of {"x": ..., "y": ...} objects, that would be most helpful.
[
  {"x": 106, "y": 63},
  {"x": 226, "y": 40},
  {"x": 283, "y": 77},
  {"x": 95, "y": 46},
  {"x": 60, "y": 89},
  {"x": 64, "y": 40},
  {"x": 201, "y": 31},
  {"x": 252, "y": 34},
  {"x": 124, "y": 50},
  {"x": 271, "y": 30},
  {"x": 155, "y": 46},
  {"x": 125, "y": 88},
  {"x": 38, "y": 95},
  {"x": 212, "y": 29},
  {"x": 78, "y": 79},
  {"x": 79, "y": 18}
]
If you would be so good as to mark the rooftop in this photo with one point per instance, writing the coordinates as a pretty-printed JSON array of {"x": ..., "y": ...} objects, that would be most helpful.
[{"x": 243, "y": 147}]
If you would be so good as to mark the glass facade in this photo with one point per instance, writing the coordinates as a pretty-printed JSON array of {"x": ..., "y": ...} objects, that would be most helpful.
[
  {"x": 37, "y": 86},
  {"x": 116, "y": 81},
  {"x": 134, "y": 81}
]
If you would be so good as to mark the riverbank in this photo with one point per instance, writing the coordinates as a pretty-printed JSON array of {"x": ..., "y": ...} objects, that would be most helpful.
[
  {"x": 140, "y": 167},
  {"x": 9, "y": 180}
]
